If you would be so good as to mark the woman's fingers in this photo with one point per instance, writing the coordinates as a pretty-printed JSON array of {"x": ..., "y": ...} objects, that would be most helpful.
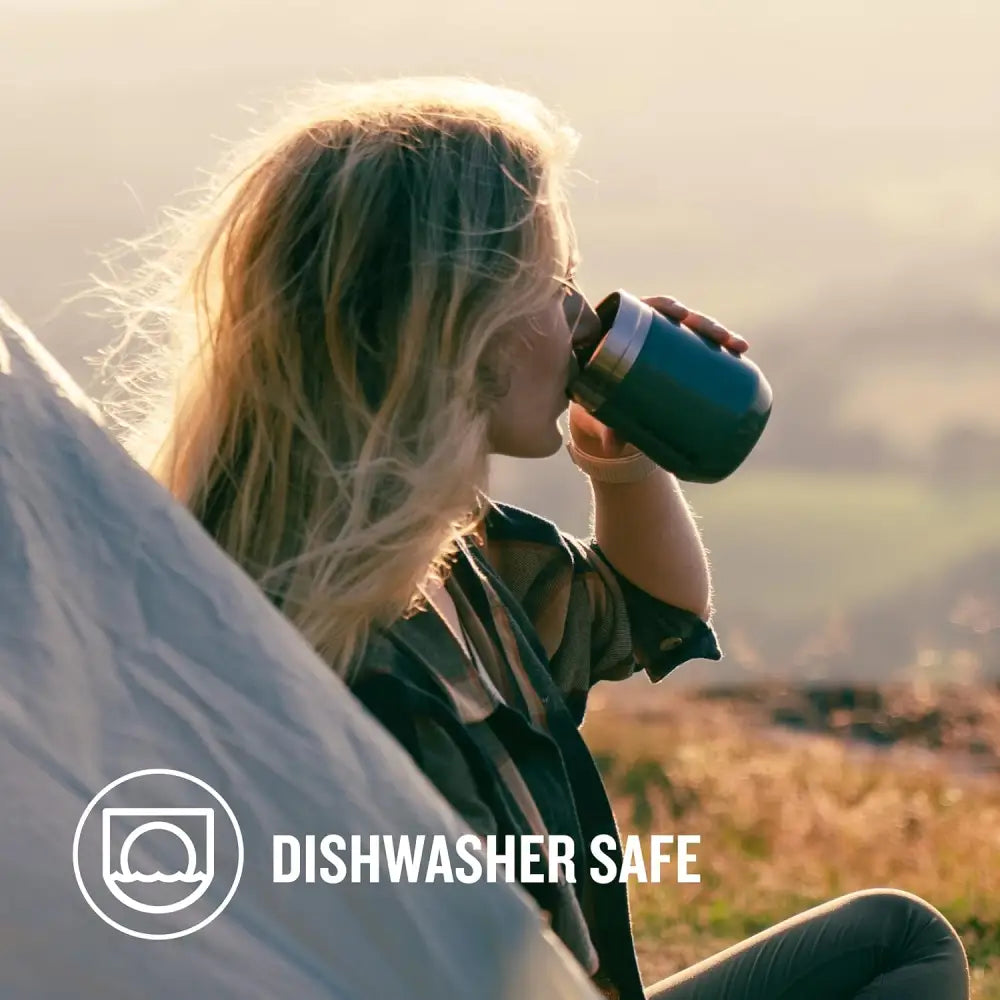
[
  {"x": 703, "y": 325},
  {"x": 668, "y": 306},
  {"x": 708, "y": 327}
]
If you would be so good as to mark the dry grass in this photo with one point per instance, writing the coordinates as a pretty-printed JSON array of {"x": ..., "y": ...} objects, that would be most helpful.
[{"x": 787, "y": 823}]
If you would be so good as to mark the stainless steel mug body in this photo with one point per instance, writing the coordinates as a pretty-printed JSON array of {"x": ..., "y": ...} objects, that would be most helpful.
[{"x": 692, "y": 406}]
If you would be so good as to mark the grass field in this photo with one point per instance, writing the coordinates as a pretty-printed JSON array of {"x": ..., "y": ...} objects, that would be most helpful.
[
  {"x": 786, "y": 824},
  {"x": 808, "y": 542}
]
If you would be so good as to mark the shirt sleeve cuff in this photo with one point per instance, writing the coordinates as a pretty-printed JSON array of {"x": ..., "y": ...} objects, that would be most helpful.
[{"x": 663, "y": 635}]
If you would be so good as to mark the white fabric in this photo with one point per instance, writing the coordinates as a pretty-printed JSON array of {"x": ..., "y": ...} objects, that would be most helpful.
[{"x": 128, "y": 640}]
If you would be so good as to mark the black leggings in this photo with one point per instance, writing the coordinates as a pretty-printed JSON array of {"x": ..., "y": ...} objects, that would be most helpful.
[{"x": 880, "y": 944}]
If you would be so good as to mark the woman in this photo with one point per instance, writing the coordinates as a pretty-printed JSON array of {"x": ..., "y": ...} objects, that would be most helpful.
[{"x": 376, "y": 300}]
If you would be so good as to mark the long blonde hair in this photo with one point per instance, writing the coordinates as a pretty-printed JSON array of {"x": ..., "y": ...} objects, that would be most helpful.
[{"x": 331, "y": 321}]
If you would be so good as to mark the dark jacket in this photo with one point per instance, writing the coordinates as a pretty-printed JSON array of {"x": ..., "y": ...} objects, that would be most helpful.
[{"x": 551, "y": 617}]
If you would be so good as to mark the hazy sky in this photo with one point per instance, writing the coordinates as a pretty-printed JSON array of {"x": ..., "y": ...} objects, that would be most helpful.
[
  {"x": 843, "y": 60},
  {"x": 746, "y": 156}
]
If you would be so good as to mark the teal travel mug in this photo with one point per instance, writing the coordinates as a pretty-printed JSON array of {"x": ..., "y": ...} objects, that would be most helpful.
[{"x": 693, "y": 407}]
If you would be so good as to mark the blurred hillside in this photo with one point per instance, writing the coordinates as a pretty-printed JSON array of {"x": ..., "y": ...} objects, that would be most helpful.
[
  {"x": 823, "y": 177},
  {"x": 897, "y": 379}
]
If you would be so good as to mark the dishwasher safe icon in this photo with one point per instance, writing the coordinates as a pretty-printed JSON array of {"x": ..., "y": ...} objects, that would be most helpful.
[
  {"x": 199, "y": 866},
  {"x": 158, "y": 854}
]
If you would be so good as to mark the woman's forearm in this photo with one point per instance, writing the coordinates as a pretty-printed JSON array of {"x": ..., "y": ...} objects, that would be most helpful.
[{"x": 649, "y": 535}]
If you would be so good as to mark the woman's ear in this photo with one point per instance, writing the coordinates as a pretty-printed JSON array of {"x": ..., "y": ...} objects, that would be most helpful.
[{"x": 494, "y": 372}]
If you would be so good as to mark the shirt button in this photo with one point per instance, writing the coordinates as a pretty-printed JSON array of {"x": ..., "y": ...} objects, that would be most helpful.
[{"x": 672, "y": 643}]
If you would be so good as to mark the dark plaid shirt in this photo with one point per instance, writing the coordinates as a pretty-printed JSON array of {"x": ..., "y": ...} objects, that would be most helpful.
[{"x": 549, "y": 617}]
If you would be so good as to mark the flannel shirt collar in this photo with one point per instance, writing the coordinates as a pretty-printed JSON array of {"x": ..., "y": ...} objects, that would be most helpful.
[{"x": 434, "y": 646}]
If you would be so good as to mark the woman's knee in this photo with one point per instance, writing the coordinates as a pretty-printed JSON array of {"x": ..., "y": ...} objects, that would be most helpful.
[{"x": 905, "y": 924}]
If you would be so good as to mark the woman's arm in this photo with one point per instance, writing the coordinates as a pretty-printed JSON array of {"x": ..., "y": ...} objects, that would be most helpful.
[
  {"x": 646, "y": 529},
  {"x": 649, "y": 535}
]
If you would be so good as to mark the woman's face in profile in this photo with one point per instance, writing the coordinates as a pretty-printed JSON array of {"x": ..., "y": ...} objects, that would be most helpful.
[{"x": 523, "y": 423}]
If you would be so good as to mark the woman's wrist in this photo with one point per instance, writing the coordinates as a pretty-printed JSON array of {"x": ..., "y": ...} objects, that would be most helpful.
[{"x": 631, "y": 466}]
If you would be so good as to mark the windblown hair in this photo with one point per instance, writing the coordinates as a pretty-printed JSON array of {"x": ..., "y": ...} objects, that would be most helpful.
[{"x": 330, "y": 323}]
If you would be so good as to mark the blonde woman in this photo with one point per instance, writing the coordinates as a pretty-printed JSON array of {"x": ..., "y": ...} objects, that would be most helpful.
[{"x": 373, "y": 300}]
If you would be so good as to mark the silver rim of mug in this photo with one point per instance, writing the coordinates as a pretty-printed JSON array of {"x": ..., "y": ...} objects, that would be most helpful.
[{"x": 614, "y": 358}]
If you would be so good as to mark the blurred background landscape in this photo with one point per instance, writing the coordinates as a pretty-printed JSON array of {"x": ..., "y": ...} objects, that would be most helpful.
[{"x": 823, "y": 177}]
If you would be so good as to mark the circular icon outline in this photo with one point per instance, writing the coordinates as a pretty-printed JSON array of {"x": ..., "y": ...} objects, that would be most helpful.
[{"x": 172, "y": 773}]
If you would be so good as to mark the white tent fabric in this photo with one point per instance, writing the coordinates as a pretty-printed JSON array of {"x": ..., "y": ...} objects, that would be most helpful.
[{"x": 129, "y": 640}]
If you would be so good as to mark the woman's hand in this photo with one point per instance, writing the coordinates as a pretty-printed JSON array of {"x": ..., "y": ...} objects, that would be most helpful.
[{"x": 592, "y": 436}]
